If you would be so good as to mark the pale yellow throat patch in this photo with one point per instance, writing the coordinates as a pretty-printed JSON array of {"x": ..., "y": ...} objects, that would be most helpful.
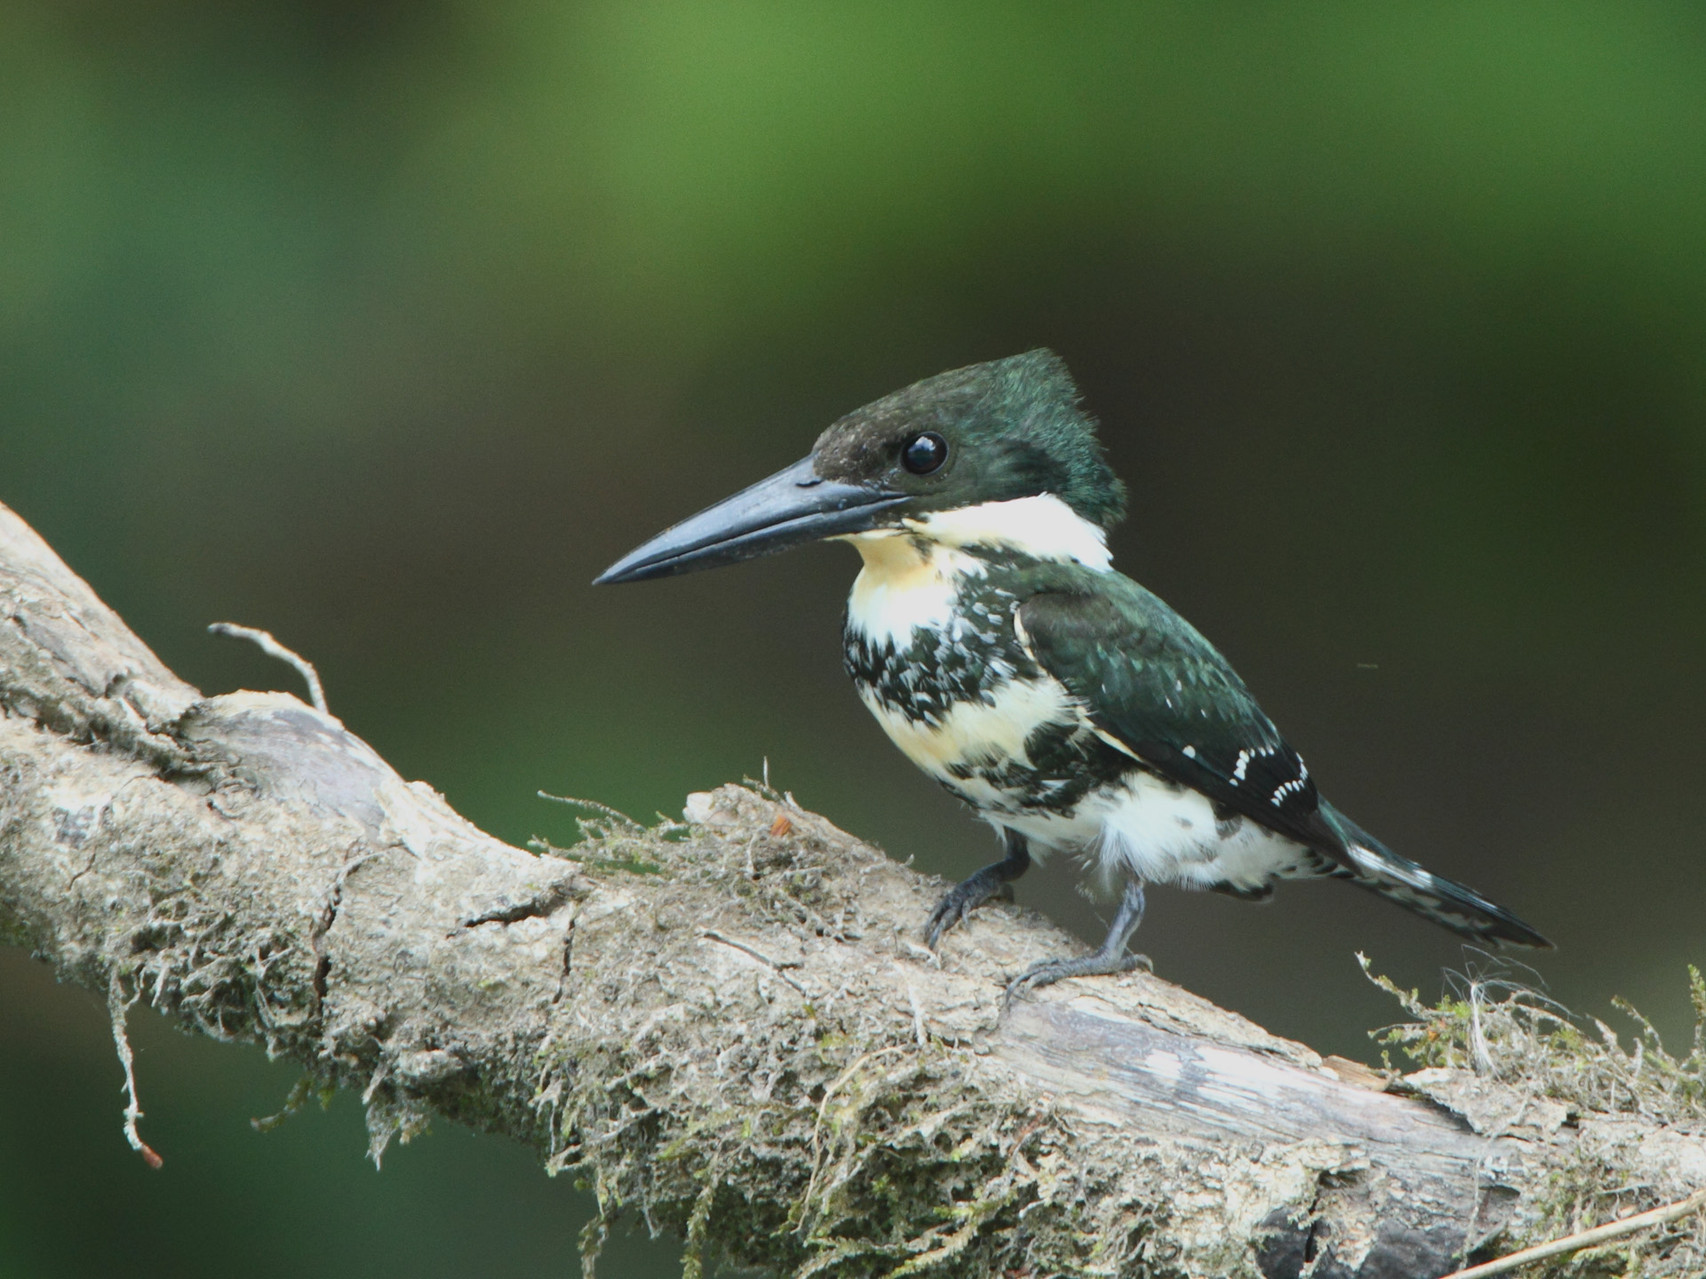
[{"x": 907, "y": 583}]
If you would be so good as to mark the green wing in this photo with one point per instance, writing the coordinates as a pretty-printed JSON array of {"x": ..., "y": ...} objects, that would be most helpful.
[
  {"x": 1158, "y": 690},
  {"x": 1155, "y": 688}
]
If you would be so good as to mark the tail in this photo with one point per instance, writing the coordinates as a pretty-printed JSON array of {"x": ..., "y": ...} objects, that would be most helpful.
[{"x": 1371, "y": 865}]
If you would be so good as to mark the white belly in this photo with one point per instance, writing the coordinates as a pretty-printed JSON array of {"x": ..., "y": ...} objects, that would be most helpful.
[{"x": 1163, "y": 834}]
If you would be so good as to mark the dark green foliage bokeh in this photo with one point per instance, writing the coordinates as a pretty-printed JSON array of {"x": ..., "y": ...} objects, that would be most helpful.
[{"x": 386, "y": 326}]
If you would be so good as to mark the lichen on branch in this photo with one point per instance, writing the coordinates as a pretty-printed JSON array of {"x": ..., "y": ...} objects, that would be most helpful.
[{"x": 726, "y": 1026}]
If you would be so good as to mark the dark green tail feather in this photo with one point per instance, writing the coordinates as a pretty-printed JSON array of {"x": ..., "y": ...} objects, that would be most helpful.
[{"x": 1373, "y": 866}]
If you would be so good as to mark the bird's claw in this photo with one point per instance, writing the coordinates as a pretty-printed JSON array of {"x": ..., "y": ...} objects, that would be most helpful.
[
  {"x": 957, "y": 904},
  {"x": 1093, "y": 965}
]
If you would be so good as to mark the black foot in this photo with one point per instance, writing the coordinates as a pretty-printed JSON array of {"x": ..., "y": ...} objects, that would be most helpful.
[
  {"x": 1092, "y": 965},
  {"x": 959, "y": 901},
  {"x": 1107, "y": 960}
]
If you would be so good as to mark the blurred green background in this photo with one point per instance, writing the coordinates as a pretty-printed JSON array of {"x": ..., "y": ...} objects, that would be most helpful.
[{"x": 387, "y": 325}]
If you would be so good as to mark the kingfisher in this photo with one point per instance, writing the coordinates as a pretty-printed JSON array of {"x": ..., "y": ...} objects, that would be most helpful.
[{"x": 1070, "y": 708}]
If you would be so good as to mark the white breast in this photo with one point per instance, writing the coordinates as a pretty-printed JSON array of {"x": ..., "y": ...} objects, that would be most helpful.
[{"x": 982, "y": 735}]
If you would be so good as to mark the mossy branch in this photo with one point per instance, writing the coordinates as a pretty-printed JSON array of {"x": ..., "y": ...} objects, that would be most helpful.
[{"x": 727, "y": 1027}]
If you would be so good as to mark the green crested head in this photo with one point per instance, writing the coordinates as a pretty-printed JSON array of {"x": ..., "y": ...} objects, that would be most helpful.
[
  {"x": 915, "y": 461},
  {"x": 989, "y": 432}
]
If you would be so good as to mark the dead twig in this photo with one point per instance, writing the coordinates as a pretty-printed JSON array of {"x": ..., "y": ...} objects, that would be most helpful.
[
  {"x": 1586, "y": 1238},
  {"x": 272, "y": 648},
  {"x": 779, "y": 969}
]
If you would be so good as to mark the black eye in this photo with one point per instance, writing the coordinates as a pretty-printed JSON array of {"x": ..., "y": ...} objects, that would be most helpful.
[{"x": 924, "y": 452}]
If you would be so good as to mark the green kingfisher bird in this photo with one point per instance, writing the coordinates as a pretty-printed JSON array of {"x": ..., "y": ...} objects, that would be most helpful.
[{"x": 1065, "y": 704}]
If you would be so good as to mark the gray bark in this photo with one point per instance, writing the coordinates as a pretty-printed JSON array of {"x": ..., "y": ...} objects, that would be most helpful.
[{"x": 726, "y": 1026}]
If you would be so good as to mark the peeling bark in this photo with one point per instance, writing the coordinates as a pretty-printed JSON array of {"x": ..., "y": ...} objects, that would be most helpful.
[{"x": 725, "y": 1025}]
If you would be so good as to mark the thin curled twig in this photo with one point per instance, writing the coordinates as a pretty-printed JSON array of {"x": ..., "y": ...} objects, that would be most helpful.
[{"x": 272, "y": 648}]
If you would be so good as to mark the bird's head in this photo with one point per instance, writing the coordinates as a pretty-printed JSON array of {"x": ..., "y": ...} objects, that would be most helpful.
[{"x": 982, "y": 453}]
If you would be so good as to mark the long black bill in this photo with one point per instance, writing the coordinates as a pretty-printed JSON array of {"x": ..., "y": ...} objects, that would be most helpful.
[{"x": 791, "y": 507}]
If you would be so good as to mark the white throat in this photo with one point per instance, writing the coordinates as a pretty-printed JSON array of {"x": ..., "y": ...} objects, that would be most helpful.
[
  {"x": 907, "y": 584},
  {"x": 912, "y": 574}
]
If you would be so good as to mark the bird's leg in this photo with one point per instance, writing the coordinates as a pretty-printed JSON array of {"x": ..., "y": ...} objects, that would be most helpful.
[
  {"x": 1108, "y": 959},
  {"x": 970, "y": 893}
]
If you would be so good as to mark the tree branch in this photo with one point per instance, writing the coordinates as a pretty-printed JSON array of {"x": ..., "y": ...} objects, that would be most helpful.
[{"x": 725, "y": 1025}]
